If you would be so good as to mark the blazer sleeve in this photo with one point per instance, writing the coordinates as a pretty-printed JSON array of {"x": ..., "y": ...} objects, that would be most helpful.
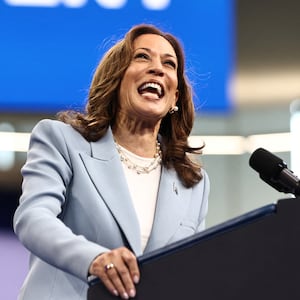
[
  {"x": 46, "y": 175},
  {"x": 204, "y": 205}
]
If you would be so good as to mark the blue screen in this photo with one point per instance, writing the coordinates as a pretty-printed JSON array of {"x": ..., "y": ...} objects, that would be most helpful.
[{"x": 50, "y": 48}]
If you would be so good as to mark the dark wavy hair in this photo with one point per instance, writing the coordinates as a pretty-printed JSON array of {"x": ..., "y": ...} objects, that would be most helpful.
[{"x": 101, "y": 108}]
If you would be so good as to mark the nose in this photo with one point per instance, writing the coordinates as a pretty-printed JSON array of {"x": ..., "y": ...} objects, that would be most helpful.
[{"x": 156, "y": 68}]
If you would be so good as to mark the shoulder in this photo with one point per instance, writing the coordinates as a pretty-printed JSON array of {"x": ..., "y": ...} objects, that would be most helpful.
[
  {"x": 54, "y": 128},
  {"x": 59, "y": 135},
  {"x": 205, "y": 177},
  {"x": 203, "y": 186}
]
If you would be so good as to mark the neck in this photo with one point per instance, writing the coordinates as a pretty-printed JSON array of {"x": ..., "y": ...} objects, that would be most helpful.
[
  {"x": 139, "y": 137},
  {"x": 142, "y": 145}
]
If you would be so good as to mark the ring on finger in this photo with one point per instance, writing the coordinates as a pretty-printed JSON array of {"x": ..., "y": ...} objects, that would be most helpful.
[{"x": 109, "y": 266}]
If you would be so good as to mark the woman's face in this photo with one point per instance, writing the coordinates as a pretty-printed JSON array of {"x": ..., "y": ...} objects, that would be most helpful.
[{"x": 149, "y": 86}]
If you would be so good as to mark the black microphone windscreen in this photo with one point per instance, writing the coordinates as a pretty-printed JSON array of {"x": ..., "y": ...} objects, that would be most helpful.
[{"x": 265, "y": 163}]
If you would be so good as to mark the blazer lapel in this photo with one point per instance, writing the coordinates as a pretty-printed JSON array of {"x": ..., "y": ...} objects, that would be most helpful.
[
  {"x": 106, "y": 172},
  {"x": 170, "y": 208}
]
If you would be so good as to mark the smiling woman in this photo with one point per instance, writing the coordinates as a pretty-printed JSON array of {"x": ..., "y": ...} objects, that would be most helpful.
[
  {"x": 115, "y": 181},
  {"x": 149, "y": 85}
]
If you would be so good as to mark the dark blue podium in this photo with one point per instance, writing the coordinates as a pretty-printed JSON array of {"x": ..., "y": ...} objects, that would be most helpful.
[{"x": 254, "y": 256}]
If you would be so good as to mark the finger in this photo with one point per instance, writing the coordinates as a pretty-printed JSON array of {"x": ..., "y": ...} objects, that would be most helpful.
[
  {"x": 109, "y": 285},
  {"x": 131, "y": 262},
  {"x": 123, "y": 256},
  {"x": 97, "y": 269},
  {"x": 119, "y": 270},
  {"x": 116, "y": 278},
  {"x": 125, "y": 277}
]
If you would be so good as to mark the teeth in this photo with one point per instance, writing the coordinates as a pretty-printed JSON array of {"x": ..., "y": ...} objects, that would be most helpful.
[{"x": 154, "y": 86}]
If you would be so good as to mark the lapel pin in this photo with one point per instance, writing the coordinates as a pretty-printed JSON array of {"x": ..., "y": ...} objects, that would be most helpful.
[{"x": 175, "y": 190}]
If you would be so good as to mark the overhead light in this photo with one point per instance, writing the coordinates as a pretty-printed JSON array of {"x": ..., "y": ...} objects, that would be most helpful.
[
  {"x": 295, "y": 136},
  {"x": 274, "y": 142},
  {"x": 219, "y": 145},
  {"x": 7, "y": 158},
  {"x": 214, "y": 144},
  {"x": 14, "y": 141}
]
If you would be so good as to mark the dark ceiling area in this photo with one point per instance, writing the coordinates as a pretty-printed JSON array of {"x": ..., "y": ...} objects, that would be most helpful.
[{"x": 268, "y": 34}]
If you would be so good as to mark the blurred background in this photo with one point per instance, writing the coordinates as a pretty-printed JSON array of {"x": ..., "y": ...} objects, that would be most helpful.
[{"x": 243, "y": 59}]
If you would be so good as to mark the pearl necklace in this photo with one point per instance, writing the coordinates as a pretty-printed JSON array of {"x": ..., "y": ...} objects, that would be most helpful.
[{"x": 137, "y": 168}]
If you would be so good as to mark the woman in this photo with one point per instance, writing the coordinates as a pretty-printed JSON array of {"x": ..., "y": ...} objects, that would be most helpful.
[{"x": 107, "y": 185}]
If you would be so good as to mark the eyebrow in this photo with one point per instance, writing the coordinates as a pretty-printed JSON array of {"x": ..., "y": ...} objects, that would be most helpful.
[{"x": 149, "y": 50}]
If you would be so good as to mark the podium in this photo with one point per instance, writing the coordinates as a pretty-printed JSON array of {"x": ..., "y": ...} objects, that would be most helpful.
[{"x": 254, "y": 256}]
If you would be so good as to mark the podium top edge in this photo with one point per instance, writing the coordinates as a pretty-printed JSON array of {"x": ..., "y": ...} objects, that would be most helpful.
[{"x": 226, "y": 226}]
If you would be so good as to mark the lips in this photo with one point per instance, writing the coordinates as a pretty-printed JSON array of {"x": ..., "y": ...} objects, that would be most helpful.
[{"x": 152, "y": 87}]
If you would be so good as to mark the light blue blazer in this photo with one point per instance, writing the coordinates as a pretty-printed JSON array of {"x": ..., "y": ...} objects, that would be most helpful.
[{"x": 76, "y": 204}]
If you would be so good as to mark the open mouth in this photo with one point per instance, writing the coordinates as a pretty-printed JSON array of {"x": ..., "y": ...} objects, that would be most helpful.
[{"x": 153, "y": 88}]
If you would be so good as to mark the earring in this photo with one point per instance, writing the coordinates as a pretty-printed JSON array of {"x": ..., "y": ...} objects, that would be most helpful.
[{"x": 173, "y": 109}]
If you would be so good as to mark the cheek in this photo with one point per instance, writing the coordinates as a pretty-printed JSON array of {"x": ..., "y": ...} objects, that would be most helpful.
[{"x": 128, "y": 80}]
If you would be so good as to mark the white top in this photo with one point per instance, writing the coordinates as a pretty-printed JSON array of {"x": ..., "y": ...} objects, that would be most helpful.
[{"x": 143, "y": 190}]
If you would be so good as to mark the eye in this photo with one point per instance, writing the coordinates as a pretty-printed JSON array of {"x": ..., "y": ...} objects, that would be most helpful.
[
  {"x": 141, "y": 55},
  {"x": 171, "y": 63}
]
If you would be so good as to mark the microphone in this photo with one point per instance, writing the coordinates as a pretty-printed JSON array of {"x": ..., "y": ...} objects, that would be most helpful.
[{"x": 273, "y": 170}]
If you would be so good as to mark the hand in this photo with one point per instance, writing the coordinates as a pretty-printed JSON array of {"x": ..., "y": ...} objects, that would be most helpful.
[{"x": 118, "y": 270}]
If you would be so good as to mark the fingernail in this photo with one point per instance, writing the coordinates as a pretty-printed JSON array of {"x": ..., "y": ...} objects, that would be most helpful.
[
  {"x": 125, "y": 296},
  {"x": 136, "y": 279},
  {"x": 132, "y": 293},
  {"x": 115, "y": 292}
]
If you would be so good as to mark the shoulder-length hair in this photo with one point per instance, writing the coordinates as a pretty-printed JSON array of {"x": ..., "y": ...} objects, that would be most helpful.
[{"x": 101, "y": 107}]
